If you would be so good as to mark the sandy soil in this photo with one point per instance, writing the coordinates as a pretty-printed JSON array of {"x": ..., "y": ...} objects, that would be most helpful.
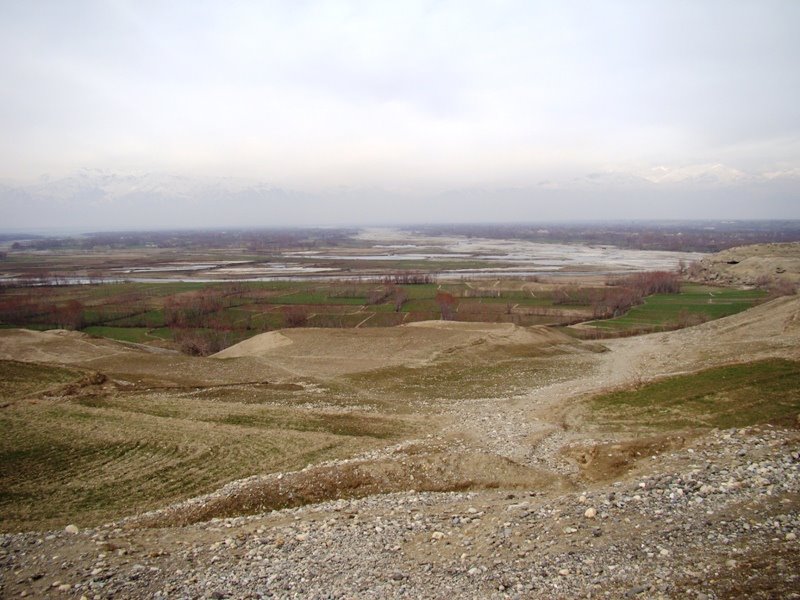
[
  {"x": 325, "y": 353},
  {"x": 59, "y": 346},
  {"x": 747, "y": 265},
  {"x": 257, "y": 345},
  {"x": 128, "y": 362},
  {"x": 654, "y": 495}
]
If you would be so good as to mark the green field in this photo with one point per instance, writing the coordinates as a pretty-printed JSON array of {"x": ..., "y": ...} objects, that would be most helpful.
[
  {"x": 203, "y": 318},
  {"x": 739, "y": 395},
  {"x": 694, "y": 304}
]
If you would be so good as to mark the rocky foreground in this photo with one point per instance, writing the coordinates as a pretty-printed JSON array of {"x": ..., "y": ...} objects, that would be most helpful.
[{"x": 717, "y": 519}]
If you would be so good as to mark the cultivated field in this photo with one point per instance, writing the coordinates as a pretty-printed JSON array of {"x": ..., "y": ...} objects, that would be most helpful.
[{"x": 693, "y": 305}]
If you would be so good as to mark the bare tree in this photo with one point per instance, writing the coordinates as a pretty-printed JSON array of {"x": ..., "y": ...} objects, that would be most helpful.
[
  {"x": 446, "y": 302},
  {"x": 400, "y": 298}
]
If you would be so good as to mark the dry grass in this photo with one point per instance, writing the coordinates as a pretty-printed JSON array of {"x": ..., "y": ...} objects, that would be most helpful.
[
  {"x": 20, "y": 380},
  {"x": 87, "y": 458},
  {"x": 608, "y": 461},
  {"x": 165, "y": 427},
  {"x": 426, "y": 471}
]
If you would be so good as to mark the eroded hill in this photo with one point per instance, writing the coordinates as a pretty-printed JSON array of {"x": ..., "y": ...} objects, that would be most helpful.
[
  {"x": 445, "y": 459},
  {"x": 753, "y": 265}
]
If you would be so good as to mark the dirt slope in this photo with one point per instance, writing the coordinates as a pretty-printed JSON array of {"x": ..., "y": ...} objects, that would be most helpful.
[
  {"x": 130, "y": 363},
  {"x": 769, "y": 330},
  {"x": 327, "y": 353},
  {"x": 712, "y": 514},
  {"x": 747, "y": 265},
  {"x": 532, "y": 428},
  {"x": 59, "y": 346}
]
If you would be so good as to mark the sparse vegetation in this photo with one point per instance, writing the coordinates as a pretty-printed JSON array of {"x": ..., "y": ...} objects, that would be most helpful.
[
  {"x": 738, "y": 395},
  {"x": 99, "y": 454},
  {"x": 21, "y": 379},
  {"x": 124, "y": 429},
  {"x": 202, "y": 317}
]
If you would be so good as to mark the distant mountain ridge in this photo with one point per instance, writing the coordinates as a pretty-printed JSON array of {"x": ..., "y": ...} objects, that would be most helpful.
[{"x": 96, "y": 198}]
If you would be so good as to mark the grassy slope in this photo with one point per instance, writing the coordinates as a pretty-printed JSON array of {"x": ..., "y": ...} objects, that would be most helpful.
[
  {"x": 731, "y": 396},
  {"x": 99, "y": 453},
  {"x": 18, "y": 379},
  {"x": 505, "y": 372}
]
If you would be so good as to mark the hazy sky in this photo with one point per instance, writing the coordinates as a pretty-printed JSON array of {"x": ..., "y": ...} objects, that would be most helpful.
[{"x": 406, "y": 95}]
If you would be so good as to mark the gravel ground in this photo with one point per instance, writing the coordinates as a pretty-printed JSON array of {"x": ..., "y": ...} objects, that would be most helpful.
[
  {"x": 717, "y": 519},
  {"x": 712, "y": 515}
]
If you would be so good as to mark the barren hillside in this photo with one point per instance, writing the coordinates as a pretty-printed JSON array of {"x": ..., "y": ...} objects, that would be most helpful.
[
  {"x": 330, "y": 352},
  {"x": 750, "y": 265},
  {"x": 542, "y": 486}
]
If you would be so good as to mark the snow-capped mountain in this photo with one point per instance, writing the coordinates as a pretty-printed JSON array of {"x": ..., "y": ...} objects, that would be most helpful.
[
  {"x": 92, "y": 198},
  {"x": 698, "y": 174},
  {"x": 109, "y": 185}
]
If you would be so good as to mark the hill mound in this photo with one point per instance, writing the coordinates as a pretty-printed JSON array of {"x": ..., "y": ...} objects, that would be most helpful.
[
  {"x": 332, "y": 352},
  {"x": 127, "y": 362},
  {"x": 58, "y": 346},
  {"x": 753, "y": 265}
]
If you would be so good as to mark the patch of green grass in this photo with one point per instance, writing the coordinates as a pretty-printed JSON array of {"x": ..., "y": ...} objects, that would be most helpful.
[
  {"x": 154, "y": 318},
  {"x": 421, "y": 305},
  {"x": 313, "y": 297},
  {"x": 162, "y": 333},
  {"x": 766, "y": 391},
  {"x": 694, "y": 303},
  {"x": 516, "y": 298},
  {"x": 420, "y": 291}
]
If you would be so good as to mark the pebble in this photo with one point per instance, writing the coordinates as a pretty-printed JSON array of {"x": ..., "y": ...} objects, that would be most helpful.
[{"x": 486, "y": 550}]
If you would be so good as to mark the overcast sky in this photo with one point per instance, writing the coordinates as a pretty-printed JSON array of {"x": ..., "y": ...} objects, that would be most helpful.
[{"x": 412, "y": 97}]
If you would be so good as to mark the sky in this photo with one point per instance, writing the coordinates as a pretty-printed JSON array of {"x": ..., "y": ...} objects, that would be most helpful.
[{"x": 466, "y": 109}]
